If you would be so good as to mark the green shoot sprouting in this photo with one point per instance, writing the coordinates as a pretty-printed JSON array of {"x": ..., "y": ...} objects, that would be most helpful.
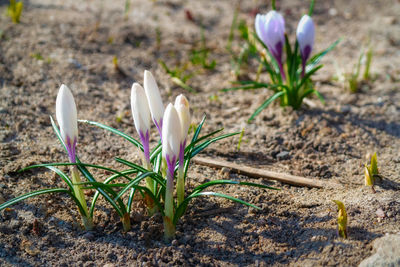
[
  {"x": 371, "y": 172},
  {"x": 200, "y": 56},
  {"x": 127, "y": 8},
  {"x": 14, "y": 10},
  {"x": 179, "y": 75},
  {"x": 368, "y": 61},
  {"x": 240, "y": 139},
  {"x": 352, "y": 80},
  {"x": 342, "y": 219}
]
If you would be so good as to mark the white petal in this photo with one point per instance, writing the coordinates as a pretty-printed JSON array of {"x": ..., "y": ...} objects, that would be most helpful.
[
  {"x": 171, "y": 132},
  {"x": 66, "y": 114},
  {"x": 305, "y": 32},
  {"x": 182, "y": 107},
  {"x": 140, "y": 109},
  {"x": 153, "y": 96}
]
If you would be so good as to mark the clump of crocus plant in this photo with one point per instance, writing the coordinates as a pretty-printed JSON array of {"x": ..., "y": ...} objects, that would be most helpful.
[
  {"x": 163, "y": 170},
  {"x": 67, "y": 119},
  {"x": 168, "y": 162},
  {"x": 290, "y": 75}
]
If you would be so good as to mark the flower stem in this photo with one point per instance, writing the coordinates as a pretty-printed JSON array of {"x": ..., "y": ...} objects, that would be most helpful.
[
  {"x": 169, "y": 228},
  {"x": 180, "y": 185},
  {"x": 86, "y": 219},
  {"x": 126, "y": 222}
]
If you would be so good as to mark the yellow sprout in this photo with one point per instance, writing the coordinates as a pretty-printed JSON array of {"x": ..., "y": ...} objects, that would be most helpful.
[
  {"x": 342, "y": 219},
  {"x": 371, "y": 171}
]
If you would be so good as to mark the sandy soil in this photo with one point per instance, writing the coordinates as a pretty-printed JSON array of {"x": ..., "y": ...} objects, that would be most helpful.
[{"x": 296, "y": 226}]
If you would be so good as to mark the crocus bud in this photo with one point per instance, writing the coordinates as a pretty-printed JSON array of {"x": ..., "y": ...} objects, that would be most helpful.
[
  {"x": 172, "y": 136},
  {"x": 182, "y": 107},
  {"x": 305, "y": 37},
  {"x": 270, "y": 28},
  {"x": 154, "y": 100},
  {"x": 171, "y": 143},
  {"x": 141, "y": 116},
  {"x": 67, "y": 119}
]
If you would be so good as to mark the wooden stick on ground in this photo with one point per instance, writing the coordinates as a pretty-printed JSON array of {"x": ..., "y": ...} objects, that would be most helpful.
[{"x": 260, "y": 173}]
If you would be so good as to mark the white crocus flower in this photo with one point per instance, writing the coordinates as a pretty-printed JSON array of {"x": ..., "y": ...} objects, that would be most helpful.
[
  {"x": 154, "y": 100},
  {"x": 182, "y": 107},
  {"x": 270, "y": 28},
  {"x": 305, "y": 37},
  {"x": 67, "y": 119},
  {"x": 141, "y": 117},
  {"x": 171, "y": 144},
  {"x": 172, "y": 133}
]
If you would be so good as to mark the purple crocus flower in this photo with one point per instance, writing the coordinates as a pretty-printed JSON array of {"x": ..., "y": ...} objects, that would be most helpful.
[
  {"x": 270, "y": 28},
  {"x": 305, "y": 37}
]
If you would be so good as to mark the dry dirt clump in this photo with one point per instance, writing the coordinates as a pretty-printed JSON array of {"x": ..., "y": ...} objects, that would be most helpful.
[{"x": 74, "y": 42}]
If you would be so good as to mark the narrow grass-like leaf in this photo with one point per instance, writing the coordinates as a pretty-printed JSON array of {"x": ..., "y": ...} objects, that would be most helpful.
[
  {"x": 155, "y": 176},
  {"x": 308, "y": 75},
  {"x": 265, "y": 104},
  {"x": 109, "y": 180},
  {"x": 113, "y": 130},
  {"x": 62, "y": 175},
  {"x": 191, "y": 145},
  {"x": 41, "y": 192},
  {"x": 181, "y": 209},
  {"x": 198, "y": 130},
  {"x": 229, "y": 182},
  {"x": 205, "y": 144},
  {"x": 314, "y": 60}
]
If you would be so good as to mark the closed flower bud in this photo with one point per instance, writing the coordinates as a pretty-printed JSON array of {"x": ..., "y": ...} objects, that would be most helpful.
[
  {"x": 141, "y": 118},
  {"x": 171, "y": 133},
  {"x": 182, "y": 107},
  {"x": 270, "y": 28},
  {"x": 140, "y": 109},
  {"x": 67, "y": 119},
  {"x": 305, "y": 37},
  {"x": 154, "y": 99}
]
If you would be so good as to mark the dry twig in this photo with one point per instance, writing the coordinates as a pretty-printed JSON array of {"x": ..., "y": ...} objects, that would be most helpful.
[{"x": 260, "y": 173}]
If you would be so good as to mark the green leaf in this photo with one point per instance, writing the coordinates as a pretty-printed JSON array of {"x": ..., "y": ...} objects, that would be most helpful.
[
  {"x": 41, "y": 192},
  {"x": 62, "y": 175},
  {"x": 157, "y": 150},
  {"x": 133, "y": 183},
  {"x": 198, "y": 129},
  {"x": 76, "y": 164},
  {"x": 317, "y": 57},
  {"x": 205, "y": 144},
  {"x": 157, "y": 177},
  {"x": 308, "y": 75},
  {"x": 119, "y": 208},
  {"x": 265, "y": 104},
  {"x": 229, "y": 182},
  {"x": 191, "y": 145},
  {"x": 181, "y": 209},
  {"x": 57, "y": 131},
  {"x": 113, "y": 130},
  {"x": 109, "y": 180}
]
